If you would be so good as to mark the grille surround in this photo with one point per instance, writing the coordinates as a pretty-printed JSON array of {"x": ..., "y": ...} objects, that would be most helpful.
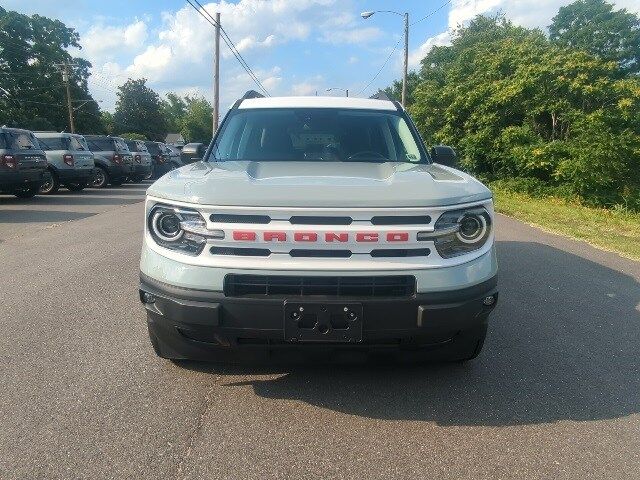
[{"x": 287, "y": 286}]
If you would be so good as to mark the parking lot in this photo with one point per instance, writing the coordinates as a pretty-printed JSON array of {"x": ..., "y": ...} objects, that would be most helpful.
[{"x": 555, "y": 393}]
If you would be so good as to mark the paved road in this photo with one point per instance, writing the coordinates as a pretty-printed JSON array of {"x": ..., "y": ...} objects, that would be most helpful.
[{"x": 555, "y": 394}]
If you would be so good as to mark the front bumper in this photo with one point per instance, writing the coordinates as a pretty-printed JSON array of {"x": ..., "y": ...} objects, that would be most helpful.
[{"x": 204, "y": 325}]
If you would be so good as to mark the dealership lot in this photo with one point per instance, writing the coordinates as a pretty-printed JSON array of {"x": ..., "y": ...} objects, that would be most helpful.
[{"x": 555, "y": 393}]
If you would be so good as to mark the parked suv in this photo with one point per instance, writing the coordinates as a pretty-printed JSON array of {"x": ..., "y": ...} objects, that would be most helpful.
[
  {"x": 192, "y": 152},
  {"x": 142, "y": 167},
  {"x": 160, "y": 158},
  {"x": 70, "y": 163},
  {"x": 318, "y": 223},
  {"x": 22, "y": 163},
  {"x": 114, "y": 162}
]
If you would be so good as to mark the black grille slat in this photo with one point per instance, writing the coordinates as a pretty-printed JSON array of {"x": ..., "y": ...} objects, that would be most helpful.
[
  {"x": 240, "y": 252},
  {"x": 228, "y": 218},
  {"x": 401, "y": 220},
  {"x": 317, "y": 220},
  {"x": 400, "y": 252},
  {"x": 283, "y": 286},
  {"x": 320, "y": 253}
]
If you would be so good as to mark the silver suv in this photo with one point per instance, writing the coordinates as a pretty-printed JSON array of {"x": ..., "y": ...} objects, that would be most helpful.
[
  {"x": 70, "y": 163},
  {"x": 114, "y": 162},
  {"x": 318, "y": 223},
  {"x": 142, "y": 168}
]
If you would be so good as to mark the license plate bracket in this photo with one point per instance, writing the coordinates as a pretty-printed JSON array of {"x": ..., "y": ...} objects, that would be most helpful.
[{"x": 332, "y": 322}]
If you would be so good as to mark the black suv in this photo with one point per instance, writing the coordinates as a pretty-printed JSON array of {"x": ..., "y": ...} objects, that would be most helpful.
[
  {"x": 22, "y": 163},
  {"x": 114, "y": 162}
]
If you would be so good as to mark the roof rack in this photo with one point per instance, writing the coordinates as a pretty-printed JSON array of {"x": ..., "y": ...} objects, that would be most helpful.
[{"x": 248, "y": 94}]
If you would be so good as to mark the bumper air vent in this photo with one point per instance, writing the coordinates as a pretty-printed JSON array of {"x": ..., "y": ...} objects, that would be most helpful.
[{"x": 402, "y": 286}]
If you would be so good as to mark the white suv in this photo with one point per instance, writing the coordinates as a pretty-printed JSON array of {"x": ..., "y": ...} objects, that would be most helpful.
[{"x": 318, "y": 223}]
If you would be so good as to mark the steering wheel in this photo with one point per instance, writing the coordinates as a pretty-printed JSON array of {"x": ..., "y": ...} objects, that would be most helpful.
[{"x": 365, "y": 154}]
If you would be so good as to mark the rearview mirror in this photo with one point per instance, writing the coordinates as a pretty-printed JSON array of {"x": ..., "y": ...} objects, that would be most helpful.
[{"x": 444, "y": 155}]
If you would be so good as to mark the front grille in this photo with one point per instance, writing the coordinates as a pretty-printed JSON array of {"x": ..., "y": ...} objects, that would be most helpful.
[
  {"x": 309, "y": 220},
  {"x": 293, "y": 286}
]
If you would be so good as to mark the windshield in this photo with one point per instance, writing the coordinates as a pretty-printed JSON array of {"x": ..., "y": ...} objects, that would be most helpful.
[{"x": 302, "y": 134}]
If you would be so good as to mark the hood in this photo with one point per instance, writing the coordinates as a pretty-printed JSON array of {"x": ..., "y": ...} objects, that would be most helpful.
[{"x": 318, "y": 184}]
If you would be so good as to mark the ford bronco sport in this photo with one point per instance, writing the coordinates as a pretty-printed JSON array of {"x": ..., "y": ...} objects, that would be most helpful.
[
  {"x": 318, "y": 224},
  {"x": 22, "y": 163}
]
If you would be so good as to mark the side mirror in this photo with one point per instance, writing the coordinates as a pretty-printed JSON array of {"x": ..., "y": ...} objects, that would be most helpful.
[{"x": 444, "y": 155}]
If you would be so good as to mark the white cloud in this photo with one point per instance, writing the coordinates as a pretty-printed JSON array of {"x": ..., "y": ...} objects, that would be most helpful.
[
  {"x": 353, "y": 59},
  {"x": 527, "y": 13},
  {"x": 351, "y": 35},
  {"x": 108, "y": 41},
  {"x": 309, "y": 87}
]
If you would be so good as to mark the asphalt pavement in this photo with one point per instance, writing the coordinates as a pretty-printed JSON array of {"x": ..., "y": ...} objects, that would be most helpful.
[{"x": 555, "y": 394}]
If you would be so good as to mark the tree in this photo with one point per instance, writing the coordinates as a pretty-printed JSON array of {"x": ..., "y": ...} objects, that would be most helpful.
[
  {"x": 197, "y": 123},
  {"x": 33, "y": 94},
  {"x": 133, "y": 136},
  {"x": 395, "y": 90},
  {"x": 594, "y": 26},
  {"x": 515, "y": 104},
  {"x": 138, "y": 109},
  {"x": 174, "y": 109}
]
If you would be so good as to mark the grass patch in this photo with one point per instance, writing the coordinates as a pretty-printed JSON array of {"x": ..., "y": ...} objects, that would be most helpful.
[{"x": 613, "y": 230}]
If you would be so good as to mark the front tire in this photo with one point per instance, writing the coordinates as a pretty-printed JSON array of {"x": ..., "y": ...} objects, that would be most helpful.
[
  {"x": 51, "y": 183},
  {"x": 101, "y": 178}
]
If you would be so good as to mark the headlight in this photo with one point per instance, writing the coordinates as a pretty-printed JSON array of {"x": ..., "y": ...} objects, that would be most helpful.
[
  {"x": 178, "y": 228},
  {"x": 460, "y": 231}
]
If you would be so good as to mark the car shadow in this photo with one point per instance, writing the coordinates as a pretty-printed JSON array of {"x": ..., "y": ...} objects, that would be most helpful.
[{"x": 563, "y": 344}]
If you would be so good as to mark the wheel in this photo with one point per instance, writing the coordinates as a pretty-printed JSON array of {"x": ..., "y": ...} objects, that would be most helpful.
[
  {"x": 27, "y": 192},
  {"x": 135, "y": 178},
  {"x": 101, "y": 178},
  {"x": 148, "y": 176},
  {"x": 77, "y": 186},
  {"x": 51, "y": 183}
]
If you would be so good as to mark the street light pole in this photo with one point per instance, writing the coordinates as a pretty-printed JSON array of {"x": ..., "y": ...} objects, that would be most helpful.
[
  {"x": 405, "y": 67},
  {"x": 216, "y": 75},
  {"x": 406, "y": 59},
  {"x": 65, "y": 79}
]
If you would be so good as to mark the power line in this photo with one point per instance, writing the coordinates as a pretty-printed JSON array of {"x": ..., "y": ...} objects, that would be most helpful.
[
  {"x": 432, "y": 13},
  {"x": 382, "y": 67},
  {"x": 398, "y": 43},
  {"x": 233, "y": 48},
  {"x": 227, "y": 40}
]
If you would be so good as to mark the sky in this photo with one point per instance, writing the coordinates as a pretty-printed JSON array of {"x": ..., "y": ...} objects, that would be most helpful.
[{"x": 295, "y": 47}]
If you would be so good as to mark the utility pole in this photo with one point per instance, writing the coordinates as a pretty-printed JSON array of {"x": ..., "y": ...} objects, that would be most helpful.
[
  {"x": 406, "y": 59},
  {"x": 216, "y": 74},
  {"x": 65, "y": 79}
]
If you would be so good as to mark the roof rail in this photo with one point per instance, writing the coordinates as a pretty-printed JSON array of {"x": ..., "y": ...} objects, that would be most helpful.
[
  {"x": 248, "y": 94},
  {"x": 380, "y": 95}
]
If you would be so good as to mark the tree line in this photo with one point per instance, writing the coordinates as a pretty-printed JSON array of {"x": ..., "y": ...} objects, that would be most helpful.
[
  {"x": 555, "y": 113},
  {"x": 33, "y": 51}
]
